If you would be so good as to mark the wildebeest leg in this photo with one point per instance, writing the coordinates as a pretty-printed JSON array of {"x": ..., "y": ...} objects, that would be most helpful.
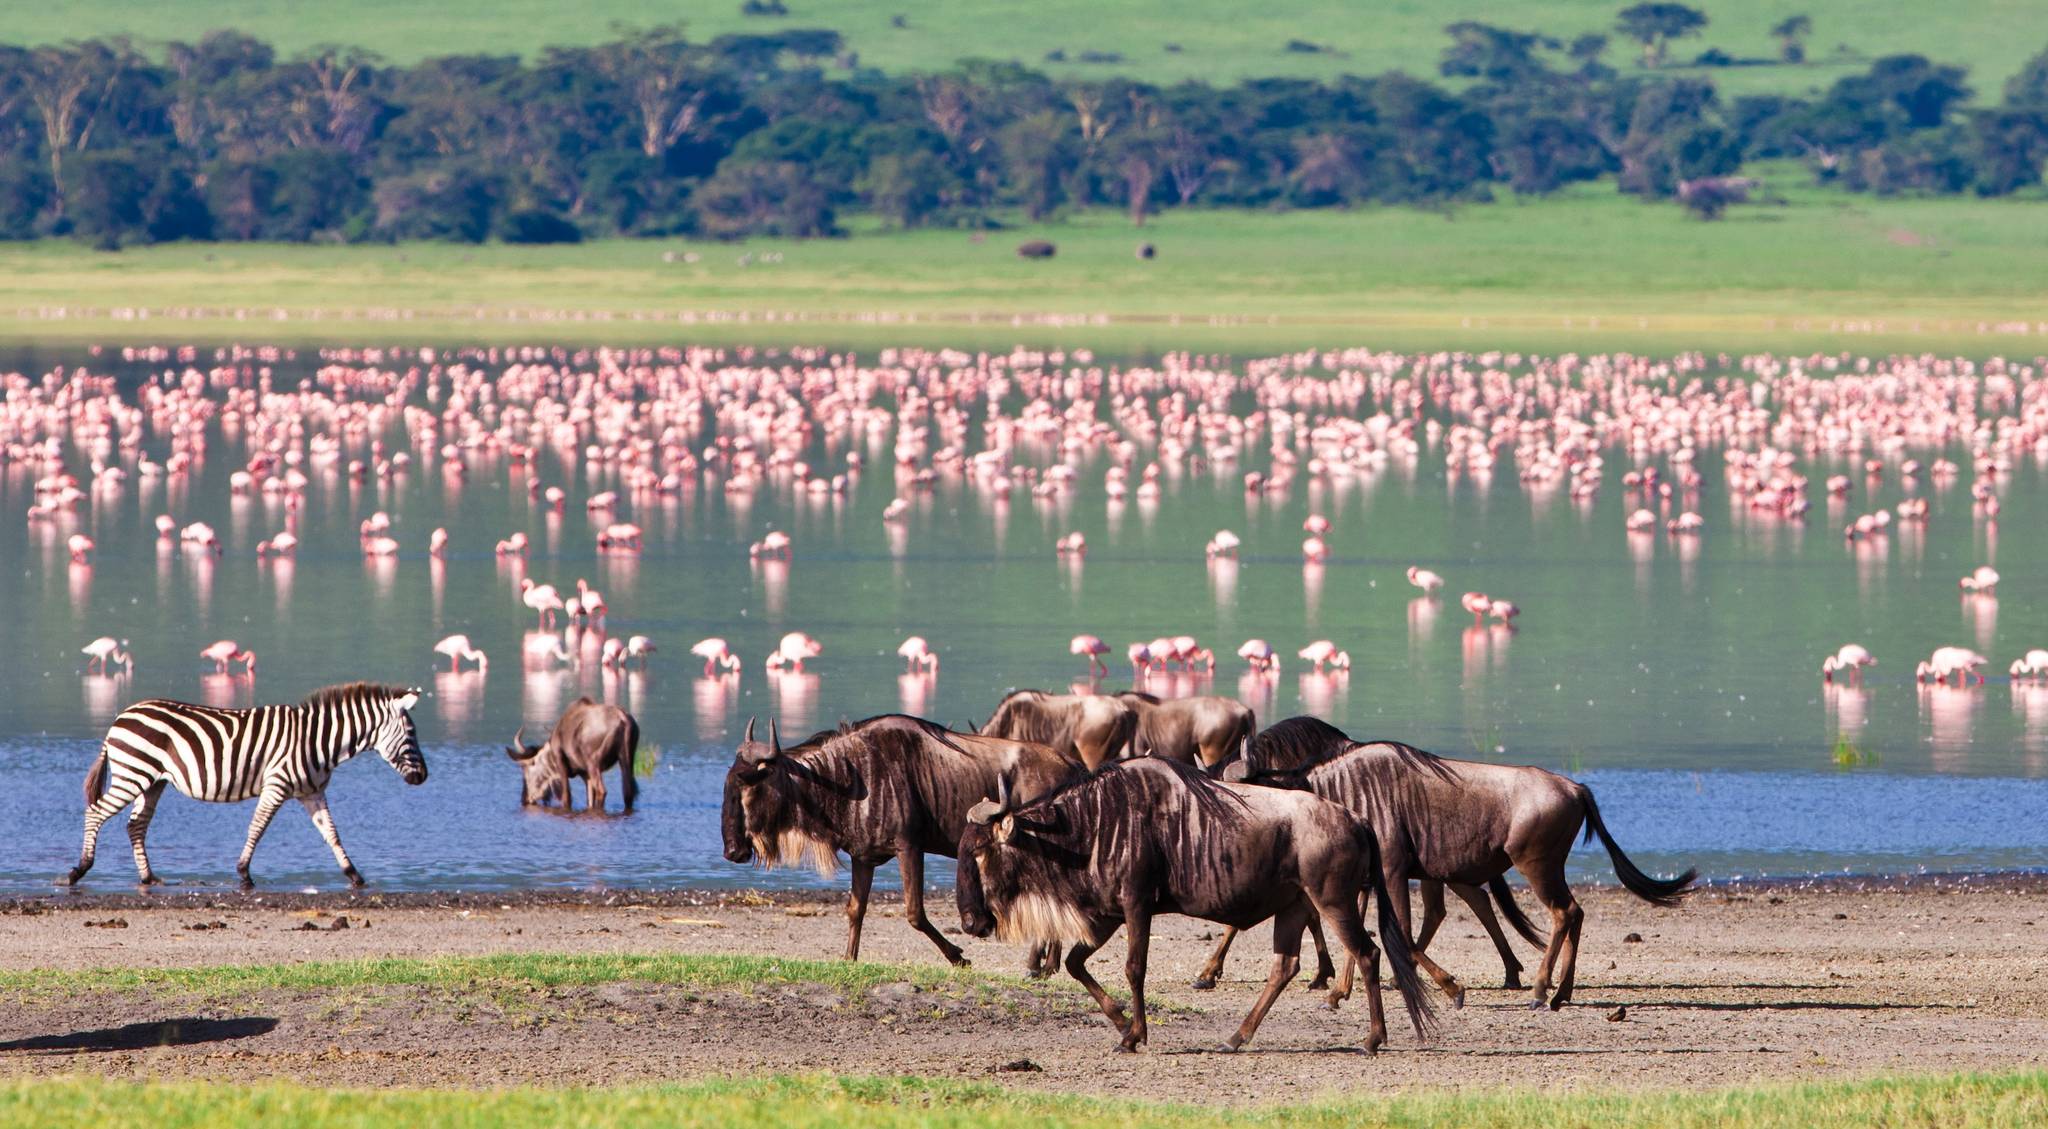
[
  {"x": 1432, "y": 916},
  {"x": 1344, "y": 918},
  {"x": 1324, "y": 969},
  {"x": 594, "y": 792},
  {"x": 1137, "y": 942},
  {"x": 1077, "y": 967},
  {"x": 1043, "y": 959},
  {"x": 910, "y": 861},
  {"x": 857, "y": 905},
  {"x": 1287, "y": 927},
  {"x": 1546, "y": 881},
  {"x": 1213, "y": 971},
  {"x": 138, "y": 829},
  {"x": 1482, "y": 908}
]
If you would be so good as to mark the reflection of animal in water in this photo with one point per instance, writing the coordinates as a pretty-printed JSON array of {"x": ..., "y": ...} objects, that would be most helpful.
[
  {"x": 271, "y": 754},
  {"x": 590, "y": 739}
]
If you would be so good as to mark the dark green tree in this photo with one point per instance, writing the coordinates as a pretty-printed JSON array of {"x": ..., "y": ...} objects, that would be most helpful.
[{"x": 1655, "y": 25}]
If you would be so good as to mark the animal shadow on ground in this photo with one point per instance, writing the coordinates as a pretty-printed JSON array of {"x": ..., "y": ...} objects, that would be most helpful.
[{"x": 143, "y": 1036}]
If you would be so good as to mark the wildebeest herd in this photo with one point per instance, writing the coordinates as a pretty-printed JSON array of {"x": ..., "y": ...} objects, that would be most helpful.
[{"x": 1069, "y": 815}]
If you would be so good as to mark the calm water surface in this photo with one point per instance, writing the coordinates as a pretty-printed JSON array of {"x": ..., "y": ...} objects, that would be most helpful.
[{"x": 1678, "y": 678}]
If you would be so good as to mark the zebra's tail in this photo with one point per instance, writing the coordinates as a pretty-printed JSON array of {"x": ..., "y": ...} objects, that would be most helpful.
[{"x": 96, "y": 779}]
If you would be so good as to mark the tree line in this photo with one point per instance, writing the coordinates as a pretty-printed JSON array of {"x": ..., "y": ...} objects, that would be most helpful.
[{"x": 784, "y": 133}]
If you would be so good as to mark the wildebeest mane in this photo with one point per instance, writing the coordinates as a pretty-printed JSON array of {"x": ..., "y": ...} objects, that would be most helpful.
[{"x": 1148, "y": 699}]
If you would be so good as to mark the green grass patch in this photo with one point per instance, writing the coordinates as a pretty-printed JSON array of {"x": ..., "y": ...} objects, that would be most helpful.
[
  {"x": 1587, "y": 270},
  {"x": 1950, "y": 1102},
  {"x": 1217, "y": 40},
  {"x": 486, "y": 973}
]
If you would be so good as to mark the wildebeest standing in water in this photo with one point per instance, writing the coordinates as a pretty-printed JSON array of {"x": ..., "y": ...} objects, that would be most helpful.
[
  {"x": 1093, "y": 727},
  {"x": 587, "y": 742},
  {"x": 1457, "y": 823},
  {"x": 1196, "y": 731},
  {"x": 1150, "y": 836},
  {"x": 888, "y": 787}
]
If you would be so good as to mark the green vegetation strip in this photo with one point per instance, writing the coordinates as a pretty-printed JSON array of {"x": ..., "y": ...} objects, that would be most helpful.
[
  {"x": 545, "y": 970},
  {"x": 1952, "y": 1102}
]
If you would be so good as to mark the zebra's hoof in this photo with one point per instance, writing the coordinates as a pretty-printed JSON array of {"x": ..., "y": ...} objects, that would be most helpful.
[
  {"x": 71, "y": 879},
  {"x": 355, "y": 878},
  {"x": 248, "y": 883},
  {"x": 149, "y": 880}
]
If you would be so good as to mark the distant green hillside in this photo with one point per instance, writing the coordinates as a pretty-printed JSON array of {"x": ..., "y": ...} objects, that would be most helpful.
[{"x": 1217, "y": 40}]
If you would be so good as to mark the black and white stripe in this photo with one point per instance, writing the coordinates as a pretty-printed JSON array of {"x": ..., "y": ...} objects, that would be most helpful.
[{"x": 271, "y": 754}]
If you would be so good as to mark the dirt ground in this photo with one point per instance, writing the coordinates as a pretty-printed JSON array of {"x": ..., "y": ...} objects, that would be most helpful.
[{"x": 1744, "y": 983}]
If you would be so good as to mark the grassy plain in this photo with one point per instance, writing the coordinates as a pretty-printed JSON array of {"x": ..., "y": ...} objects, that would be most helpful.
[
  {"x": 1949, "y": 1102},
  {"x": 1588, "y": 269},
  {"x": 1219, "y": 40}
]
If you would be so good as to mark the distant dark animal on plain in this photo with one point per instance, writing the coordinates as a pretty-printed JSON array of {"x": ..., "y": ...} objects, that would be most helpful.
[
  {"x": 1461, "y": 824},
  {"x": 1195, "y": 731},
  {"x": 1149, "y": 836},
  {"x": 888, "y": 787},
  {"x": 1035, "y": 249},
  {"x": 1147, "y": 251},
  {"x": 589, "y": 740},
  {"x": 1093, "y": 727}
]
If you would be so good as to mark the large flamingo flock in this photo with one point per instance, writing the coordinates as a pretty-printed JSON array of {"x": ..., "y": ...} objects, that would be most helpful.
[{"x": 638, "y": 425}]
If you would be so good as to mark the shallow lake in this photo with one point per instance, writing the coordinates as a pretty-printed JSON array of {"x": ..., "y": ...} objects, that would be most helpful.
[{"x": 1677, "y": 675}]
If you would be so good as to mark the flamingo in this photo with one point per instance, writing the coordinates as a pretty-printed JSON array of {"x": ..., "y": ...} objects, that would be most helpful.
[
  {"x": 715, "y": 655},
  {"x": 542, "y": 599},
  {"x": 458, "y": 650},
  {"x": 437, "y": 543},
  {"x": 1093, "y": 648},
  {"x": 918, "y": 654},
  {"x": 895, "y": 511},
  {"x": 1323, "y": 651},
  {"x": 1985, "y": 579},
  {"x": 1314, "y": 551},
  {"x": 225, "y": 653},
  {"x": 2033, "y": 666},
  {"x": 1951, "y": 662},
  {"x": 1852, "y": 658},
  {"x": 1476, "y": 603},
  {"x": 166, "y": 527},
  {"x": 513, "y": 546},
  {"x": 1424, "y": 579},
  {"x": 1073, "y": 544},
  {"x": 81, "y": 548},
  {"x": 613, "y": 655},
  {"x": 1189, "y": 652},
  {"x": 380, "y": 547},
  {"x": 1504, "y": 611},
  {"x": 639, "y": 647},
  {"x": 1163, "y": 652},
  {"x": 106, "y": 649},
  {"x": 1141, "y": 657},
  {"x": 1224, "y": 544},
  {"x": 1260, "y": 655},
  {"x": 1316, "y": 524},
  {"x": 774, "y": 544},
  {"x": 593, "y": 600},
  {"x": 285, "y": 544},
  {"x": 793, "y": 650}
]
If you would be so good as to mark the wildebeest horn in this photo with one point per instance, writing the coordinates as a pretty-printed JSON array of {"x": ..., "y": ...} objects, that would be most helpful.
[
  {"x": 1003, "y": 792},
  {"x": 774, "y": 737},
  {"x": 519, "y": 751},
  {"x": 984, "y": 813},
  {"x": 748, "y": 736}
]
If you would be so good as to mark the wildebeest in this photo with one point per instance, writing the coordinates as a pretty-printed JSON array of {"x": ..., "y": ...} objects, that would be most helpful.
[
  {"x": 1149, "y": 836},
  {"x": 1196, "y": 731},
  {"x": 589, "y": 740},
  {"x": 1035, "y": 249},
  {"x": 1094, "y": 727},
  {"x": 888, "y": 787},
  {"x": 1461, "y": 824}
]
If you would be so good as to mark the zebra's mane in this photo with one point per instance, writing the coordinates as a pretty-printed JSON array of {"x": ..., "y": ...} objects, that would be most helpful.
[{"x": 349, "y": 692}]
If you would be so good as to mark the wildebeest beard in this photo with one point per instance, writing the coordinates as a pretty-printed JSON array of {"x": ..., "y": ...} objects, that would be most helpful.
[{"x": 786, "y": 831}]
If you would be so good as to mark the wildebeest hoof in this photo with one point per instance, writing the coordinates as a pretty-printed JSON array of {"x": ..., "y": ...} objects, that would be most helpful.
[
  {"x": 1536, "y": 1004},
  {"x": 1203, "y": 983},
  {"x": 1126, "y": 1049},
  {"x": 959, "y": 961},
  {"x": 1513, "y": 982},
  {"x": 1457, "y": 995},
  {"x": 1226, "y": 1048}
]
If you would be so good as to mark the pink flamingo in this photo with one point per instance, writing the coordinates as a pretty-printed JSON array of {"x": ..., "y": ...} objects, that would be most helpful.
[
  {"x": 1314, "y": 551},
  {"x": 918, "y": 654},
  {"x": 715, "y": 655},
  {"x": 285, "y": 544},
  {"x": 1478, "y": 604},
  {"x": 1189, "y": 652},
  {"x": 437, "y": 543},
  {"x": 542, "y": 598},
  {"x": 2034, "y": 666},
  {"x": 1323, "y": 651},
  {"x": 81, "y": 548},
  {"x": 1424, "y": 579},
  {"x": 1224, "y": 544},
  {"x": 225, "y": 653},
  {"x": 1073, "y": 544},
  {"x": 458, "y": 650},
  {"x": 166, "y": 527},
  {"x": 613, "y": 654},
  {"x": 1504, "y": 611},
  {"x": 1093, "y": 648},
  {"x": 638, "y": 647},
  {"x": 1141, "y": 657},
  {"x": 1852, "y": 658},
  {"x": 1316, "y": 524},
  {"x": 793, "y": 650},
  {"x": 593, "y": 600},
  {"x": 106, "y": 649},
  {"x": 1985, "y": 579},
  {"x": 1260, "y": 655},
  {"x": 1951, "y": 662},
  {"x": 513, "y": 546},
  {"x": 774, "y": 544}
]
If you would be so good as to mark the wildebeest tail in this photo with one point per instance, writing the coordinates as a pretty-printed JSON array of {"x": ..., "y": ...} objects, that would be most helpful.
[
  {"x": 1504, "y": 897},
  {"x": 1394, "y": 940},
  {"x": 1656, "y": 891},
  {"x": 96, "y": 779}
]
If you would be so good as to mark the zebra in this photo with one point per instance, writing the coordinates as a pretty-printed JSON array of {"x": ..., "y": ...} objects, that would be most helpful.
[{"x": 270, "y": 753}]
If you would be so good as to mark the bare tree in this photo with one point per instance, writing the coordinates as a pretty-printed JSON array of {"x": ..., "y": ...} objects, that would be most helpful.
[
  {"x": 1188, "y": 161},
  {"x": 70, "y": 85},
  {"x": 664, "y": 75}
]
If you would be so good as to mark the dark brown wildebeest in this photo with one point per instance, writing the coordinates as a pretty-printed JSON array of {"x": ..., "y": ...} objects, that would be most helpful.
[
  {"x": 1460, "y": 824},
  {"x": 1035, "y": 249},
  {"x": 587, "y": 742},
  {"x": 888, "y": 787},
  {"x": 1196, "y": 731},
  {"x": 1093, "y": 727},
  {"x": 1149, "y": 836}
]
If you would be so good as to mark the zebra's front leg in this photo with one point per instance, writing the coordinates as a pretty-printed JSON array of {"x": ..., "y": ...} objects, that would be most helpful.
[
  {"x": 138, "y": 830},
  {"x": 266, "y": 806},
  {"x": 316, "y": 806}
]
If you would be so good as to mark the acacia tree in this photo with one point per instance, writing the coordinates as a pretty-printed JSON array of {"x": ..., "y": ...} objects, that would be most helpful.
[
  {"x": 665, "y": 79},
  {"x": 1791, "y": 33},
  {"x": 69, "y": 86},
  {"x": 1655, "y": 25}
]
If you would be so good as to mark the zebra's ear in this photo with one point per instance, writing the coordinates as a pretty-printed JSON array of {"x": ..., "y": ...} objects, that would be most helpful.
[{"x": 407, "y": 700}]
